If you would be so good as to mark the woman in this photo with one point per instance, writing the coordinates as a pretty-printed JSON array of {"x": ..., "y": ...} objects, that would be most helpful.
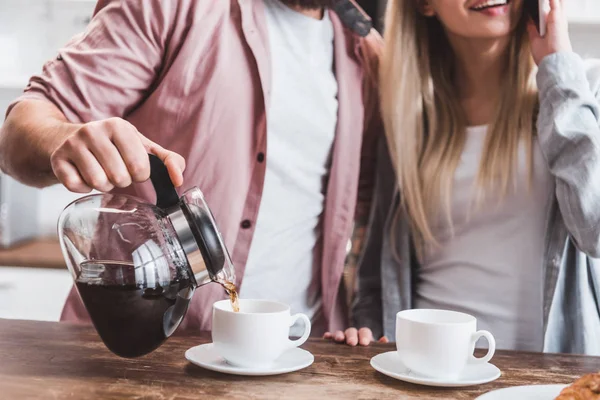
[{"x": 498, "y": 165}]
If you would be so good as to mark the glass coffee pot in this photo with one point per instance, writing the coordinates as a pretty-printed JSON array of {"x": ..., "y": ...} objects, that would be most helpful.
[{"x": 137, "y": 265}]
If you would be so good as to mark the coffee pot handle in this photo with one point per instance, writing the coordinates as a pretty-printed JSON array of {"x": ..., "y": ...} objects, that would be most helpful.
[
  {"x": 307, "y": 328},
  {"x": 166, "y": 195}
]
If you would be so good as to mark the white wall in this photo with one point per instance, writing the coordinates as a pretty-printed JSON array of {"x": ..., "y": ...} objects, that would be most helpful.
[
  {"x": 30, "y": 33},
  {"x": 32, "y": 30},
  {"x": 584, "y": 26},
  {"x": 586, "y": 38}
]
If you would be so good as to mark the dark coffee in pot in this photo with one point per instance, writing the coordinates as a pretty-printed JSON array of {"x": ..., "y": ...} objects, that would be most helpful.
[{"x": 132, "y": 320}]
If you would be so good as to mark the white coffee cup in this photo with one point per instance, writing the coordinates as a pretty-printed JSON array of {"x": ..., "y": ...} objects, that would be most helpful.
[
  {"x": 438, "y": 343},
  {"x": 257, "y": 335}
]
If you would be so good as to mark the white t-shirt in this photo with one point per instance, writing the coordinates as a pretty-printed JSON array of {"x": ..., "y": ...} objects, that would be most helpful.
[
  {"x": 301, "y": 123},
  {"x": 492, "y": 266}
]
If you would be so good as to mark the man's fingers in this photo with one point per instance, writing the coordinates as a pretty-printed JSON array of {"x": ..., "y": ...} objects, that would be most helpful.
[
  {"x": 91, "y": 171},
  {"x": 365, "y": 336},
  {"x": 174, "y": 162},
  {"x": 351, "y": 336},
  {"x": 176, "y": 165},
  {"x": 328, "y": 335},
  {"x": 134, "y": 154},
  {"x": 67, "y": 174},
  {"x": 111, "y": 161},
  {"x": 110, "y": 153},
  {"x": 383, "y": 339}
]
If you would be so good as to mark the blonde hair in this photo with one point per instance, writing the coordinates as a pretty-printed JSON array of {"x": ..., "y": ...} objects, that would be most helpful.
[{"x": 425, "y": 125}]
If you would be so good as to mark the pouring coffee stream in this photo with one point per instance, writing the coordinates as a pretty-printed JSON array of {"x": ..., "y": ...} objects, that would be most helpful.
[
  {"x": 233, "y": 296},
  {"x": 136, "y": 266}
]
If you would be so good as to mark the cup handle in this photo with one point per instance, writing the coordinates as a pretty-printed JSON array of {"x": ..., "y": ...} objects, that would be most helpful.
[
  {"x": 307, "y": 327},
  {"x": 491, "y": 349}
]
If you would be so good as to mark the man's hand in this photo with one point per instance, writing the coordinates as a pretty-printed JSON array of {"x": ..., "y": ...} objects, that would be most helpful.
[
  {"x": 110, "y": 153},
  {"x": 353, "y": 337},
  {"x": 557, "y": 34}
]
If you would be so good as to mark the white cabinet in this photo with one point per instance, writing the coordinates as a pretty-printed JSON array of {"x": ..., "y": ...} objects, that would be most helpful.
[{"x": 33, "y": 293}]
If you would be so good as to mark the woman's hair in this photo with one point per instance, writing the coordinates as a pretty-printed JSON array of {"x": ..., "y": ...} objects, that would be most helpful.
[{"x": 426, "y": 127}]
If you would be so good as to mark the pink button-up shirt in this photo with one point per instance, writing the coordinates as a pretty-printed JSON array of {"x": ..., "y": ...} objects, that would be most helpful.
[{"x": 195, "y": 77}]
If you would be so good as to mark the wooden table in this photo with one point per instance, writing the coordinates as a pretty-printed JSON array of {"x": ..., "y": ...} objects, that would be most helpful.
[
  {"x": 51, "y": 360},
  {"x": 39, "y": 253}
]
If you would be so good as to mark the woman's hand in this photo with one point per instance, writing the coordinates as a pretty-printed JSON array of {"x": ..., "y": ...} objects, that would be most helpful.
[
  {"x": 352, "y": 337},
  {"x": 557, "y": 34}
]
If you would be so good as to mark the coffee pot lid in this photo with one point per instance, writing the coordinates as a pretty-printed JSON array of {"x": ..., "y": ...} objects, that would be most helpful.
[{"x": 195, "y": 226}]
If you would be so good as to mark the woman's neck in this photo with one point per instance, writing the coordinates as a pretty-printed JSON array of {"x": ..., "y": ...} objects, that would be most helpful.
[{"x": 479, "y": 66}]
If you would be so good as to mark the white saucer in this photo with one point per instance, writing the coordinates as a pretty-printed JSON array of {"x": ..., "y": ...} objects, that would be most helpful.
[
  {"x": 205, "y": 356},
  {"x": 475, "y": 374},
  {"x": 532, "y": 392}
]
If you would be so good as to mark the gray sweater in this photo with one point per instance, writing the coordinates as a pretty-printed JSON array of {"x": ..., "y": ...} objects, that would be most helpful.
[{"x": 569, "y": 136}]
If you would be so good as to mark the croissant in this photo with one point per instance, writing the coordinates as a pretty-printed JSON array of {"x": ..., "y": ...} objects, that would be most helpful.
[{"x": 585, "y": 388}]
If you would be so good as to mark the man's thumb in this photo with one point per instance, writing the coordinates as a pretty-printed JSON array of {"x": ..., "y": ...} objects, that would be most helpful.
[{"x": 174, "y": 162}]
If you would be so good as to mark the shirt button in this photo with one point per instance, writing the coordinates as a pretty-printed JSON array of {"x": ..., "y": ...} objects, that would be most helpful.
[
  {"x": 246, "y": 224},
  {"x": 260, "y": 157}
]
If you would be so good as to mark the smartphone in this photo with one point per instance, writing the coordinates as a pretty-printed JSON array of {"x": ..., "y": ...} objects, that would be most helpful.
[{"x": 537, "y": 10}]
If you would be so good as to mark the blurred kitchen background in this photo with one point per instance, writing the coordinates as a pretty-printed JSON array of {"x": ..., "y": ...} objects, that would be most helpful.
[{"x": 33, "y": 280}]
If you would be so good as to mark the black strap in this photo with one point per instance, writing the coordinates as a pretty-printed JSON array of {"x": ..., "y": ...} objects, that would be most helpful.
[
  {"x": 166, "y": 195},
  {"x": 353, "y": 17}
]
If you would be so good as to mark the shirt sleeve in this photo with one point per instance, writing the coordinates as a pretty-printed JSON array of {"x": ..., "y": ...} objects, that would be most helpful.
[
  {"x": 107, "y": 70},
  {"x": 569, "y": 135}
]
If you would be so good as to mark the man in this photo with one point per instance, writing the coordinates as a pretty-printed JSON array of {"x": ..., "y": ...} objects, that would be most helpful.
[{"x": 268, "y": 103}]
